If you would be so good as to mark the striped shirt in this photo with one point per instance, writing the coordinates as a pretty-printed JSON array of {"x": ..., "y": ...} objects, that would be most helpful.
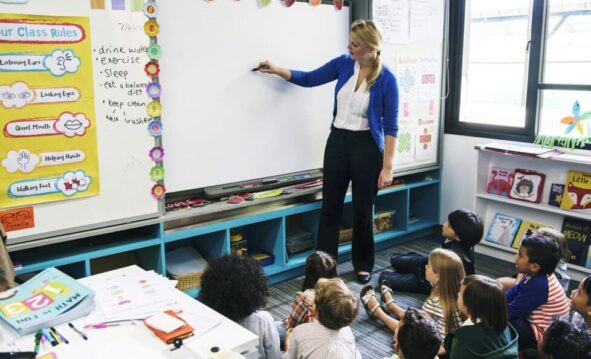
[
  {"x": 557, "y": 305},
  {"x": 315, "y": 341},
  {"x": 433, "y": 306}
]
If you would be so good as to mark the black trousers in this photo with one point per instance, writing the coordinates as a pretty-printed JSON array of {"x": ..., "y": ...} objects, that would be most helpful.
[
  {"x": 408, "y": 274},
  {"x": 350, "y": 156}
]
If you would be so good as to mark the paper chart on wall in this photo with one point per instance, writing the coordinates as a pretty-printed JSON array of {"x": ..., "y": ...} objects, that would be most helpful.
[
  {"x": 425, "y": 15},
  {"x": 405, "y": 144},
  {"x": 48, "y": 150},
  {"x": 392, "y": 17},
  {"x": 426, "y": 136}
]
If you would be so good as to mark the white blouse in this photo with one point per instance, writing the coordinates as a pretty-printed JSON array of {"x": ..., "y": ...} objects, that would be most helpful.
[{"x": 352, "y": 105}]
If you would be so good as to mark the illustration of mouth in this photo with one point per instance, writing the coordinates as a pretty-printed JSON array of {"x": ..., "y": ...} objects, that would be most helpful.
[{"x": 73, "y": 124}]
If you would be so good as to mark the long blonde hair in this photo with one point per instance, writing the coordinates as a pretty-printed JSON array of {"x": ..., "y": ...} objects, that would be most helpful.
[
  {"x": 369, "y": 36},
  {"x": 450, "y": 269}
]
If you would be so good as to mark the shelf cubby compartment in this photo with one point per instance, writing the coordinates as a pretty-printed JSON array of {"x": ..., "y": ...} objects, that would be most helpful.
[
  {"x": 422, "y": 212},
  {"x": 267, "y": 236},
  {"x": 209, "y": 245},
  {"x": 394, "y": 201},
  {"x": 308, "y": 222},
  {"x": 85, "y": 249},
  {"x": 148, "y": 258}
]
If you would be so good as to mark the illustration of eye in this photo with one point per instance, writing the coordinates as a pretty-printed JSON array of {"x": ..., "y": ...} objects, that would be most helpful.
[
  {"x": 24, "y": 95},
  {"x": 8, "y": 96}
]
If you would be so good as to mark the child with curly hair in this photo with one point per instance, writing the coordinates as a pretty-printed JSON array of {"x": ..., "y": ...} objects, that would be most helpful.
[
  {"x": 236, "y": 287},
  {"x": 581, "y": 300},
  {"x": 329, "y": 336}
]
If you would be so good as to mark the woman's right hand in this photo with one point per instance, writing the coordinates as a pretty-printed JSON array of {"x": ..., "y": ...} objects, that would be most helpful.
[{"x": 268, "y": 68}]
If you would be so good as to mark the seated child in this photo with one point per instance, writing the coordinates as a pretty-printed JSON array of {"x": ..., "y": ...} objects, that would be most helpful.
[
  {"x": 565, "y": 340},
  {"x": 444, "y": 271},
  {"x": 561, "y": 268},
  {"x": 462, "y": 231},
  {"x": 329, "y": 336},
  {"x": 236, "y": 287},
  {"x": 417, "y": 336},
  {"x": 487, "y": 332},
  {"x": 318, "y": 265},
  {"x": 538, "y": 297},
  {"x": 581, "y": 300}
]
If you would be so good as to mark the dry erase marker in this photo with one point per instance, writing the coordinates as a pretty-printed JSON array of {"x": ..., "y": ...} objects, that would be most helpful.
[
  {"x": 78, "y": 331},
  {"x": 260, "y": 67},
  {"x": 48, "y": 337}
]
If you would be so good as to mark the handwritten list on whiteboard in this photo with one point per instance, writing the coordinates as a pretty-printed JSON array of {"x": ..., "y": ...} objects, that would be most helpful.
[{"x": 393, "y": 17}]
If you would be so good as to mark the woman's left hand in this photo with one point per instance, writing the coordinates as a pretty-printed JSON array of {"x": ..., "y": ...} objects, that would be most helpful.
[{"x": 385, "y": 178}]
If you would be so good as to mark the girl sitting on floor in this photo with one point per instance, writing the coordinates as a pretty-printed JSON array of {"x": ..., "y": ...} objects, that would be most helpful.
[{"x": 444, "y": 271}]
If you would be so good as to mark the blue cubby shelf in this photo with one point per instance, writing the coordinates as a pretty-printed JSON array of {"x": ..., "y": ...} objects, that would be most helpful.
[{"x": 265, "y": 228}]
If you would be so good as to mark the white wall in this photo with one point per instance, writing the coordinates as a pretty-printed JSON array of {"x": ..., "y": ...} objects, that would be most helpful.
[{"x": 458, "y": 178}]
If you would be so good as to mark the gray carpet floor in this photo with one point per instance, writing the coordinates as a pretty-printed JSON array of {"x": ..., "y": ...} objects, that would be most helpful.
[{"x": 373, "y": 339}]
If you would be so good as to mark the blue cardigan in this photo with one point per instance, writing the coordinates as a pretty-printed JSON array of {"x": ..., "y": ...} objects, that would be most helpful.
[{"x": 382, "y": 112}]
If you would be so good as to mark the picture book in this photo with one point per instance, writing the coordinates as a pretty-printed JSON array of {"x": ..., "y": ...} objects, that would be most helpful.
[
  {"x": 555, "y": 196},
  {"x": 578, "y": 237},
  {"x": 48, "y": 299},
  {"x": 526, "y": 229},
  {"x": 502, "y": 229},
  {"x": 527, "y": 185},
  {"x": 499, "y": 181},
  {"x": 577, "y": 191}
]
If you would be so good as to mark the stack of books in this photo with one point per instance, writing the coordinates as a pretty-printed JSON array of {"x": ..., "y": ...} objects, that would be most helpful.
[
  {"x": 48, "y": 299},
  {"x": 299, "y": 240}
]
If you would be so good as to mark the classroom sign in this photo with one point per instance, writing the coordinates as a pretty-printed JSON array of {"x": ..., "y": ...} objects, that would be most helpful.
[{"x": 48, "y": 144}]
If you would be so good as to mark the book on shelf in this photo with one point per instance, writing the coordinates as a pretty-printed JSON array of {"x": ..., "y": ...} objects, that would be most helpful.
[
  {"x": 577, "y": 191},
  {"x": 499, "y": 181},
  {"x": 578, "y": 237},
  {"x": 502, "y": 229},
  {"x": 555, "y": 196},
  {"x": 527, "y": 185},
  {"x": 529, "y": 151},
  {"x": 526, "y": 229},
  {"x": 50, "y": 298}
]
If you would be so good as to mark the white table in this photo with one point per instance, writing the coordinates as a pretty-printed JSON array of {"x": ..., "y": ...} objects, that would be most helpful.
[{"x": 137, "y": 341}]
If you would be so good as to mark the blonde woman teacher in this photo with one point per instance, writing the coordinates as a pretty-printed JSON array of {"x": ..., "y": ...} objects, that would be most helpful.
[{"x": 360, "y": 147}]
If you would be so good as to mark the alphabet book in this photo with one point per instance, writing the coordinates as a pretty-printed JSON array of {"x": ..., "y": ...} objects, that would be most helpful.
[{"x": 48, "y": 299}]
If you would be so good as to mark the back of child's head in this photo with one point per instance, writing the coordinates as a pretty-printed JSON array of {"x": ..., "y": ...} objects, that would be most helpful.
[
  {"x": 587, "y": 288},
  {"x": 484, "y": 299},
  {"x": 566, "y": 340},
  {"x": 559, "y": 238},
  {"x": 234, "y": 285},
  {"x": 418, "y": 337},
  {"x": 467, "y": 225},
  {"x": 319, "y": 265},
  {"x": 542, "y": 251},
  {"x": 336, "y": 305},
  {"x": 450, "y": 269}
]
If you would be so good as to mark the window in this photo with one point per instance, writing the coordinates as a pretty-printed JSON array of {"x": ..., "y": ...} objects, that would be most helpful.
[{"x": 518, "y": 67}]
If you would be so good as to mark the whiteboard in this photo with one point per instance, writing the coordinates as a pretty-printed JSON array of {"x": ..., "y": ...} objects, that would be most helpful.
[
  {"x": 123, "y": 139},
  {"x": 224, "y": 123}
]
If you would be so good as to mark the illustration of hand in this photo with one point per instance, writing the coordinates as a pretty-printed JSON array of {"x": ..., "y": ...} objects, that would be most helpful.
[{"x": 23, "y": 159}]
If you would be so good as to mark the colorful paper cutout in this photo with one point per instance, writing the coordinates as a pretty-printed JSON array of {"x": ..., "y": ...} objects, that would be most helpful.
[
  {"x": 288, "y": 3},
  {"x": 150, "y": 9},
  {"x": 338, "y": 4},
  {"x": 158, "y": 190},
  {"x": 314, "y": 2},
  {"x": 154, "y": 108},
  {"x": 154, "y": 51},
  {"x": 152, "y": 69},
  {"x": 157, "y": 173},
  {"x": 19, "y": 95},
  {"x": 155, "y": 128},
  {"x": 157, "y": 154},
  {"x": 152, "y": 28},
  {"x": 154, "y": 90}
]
